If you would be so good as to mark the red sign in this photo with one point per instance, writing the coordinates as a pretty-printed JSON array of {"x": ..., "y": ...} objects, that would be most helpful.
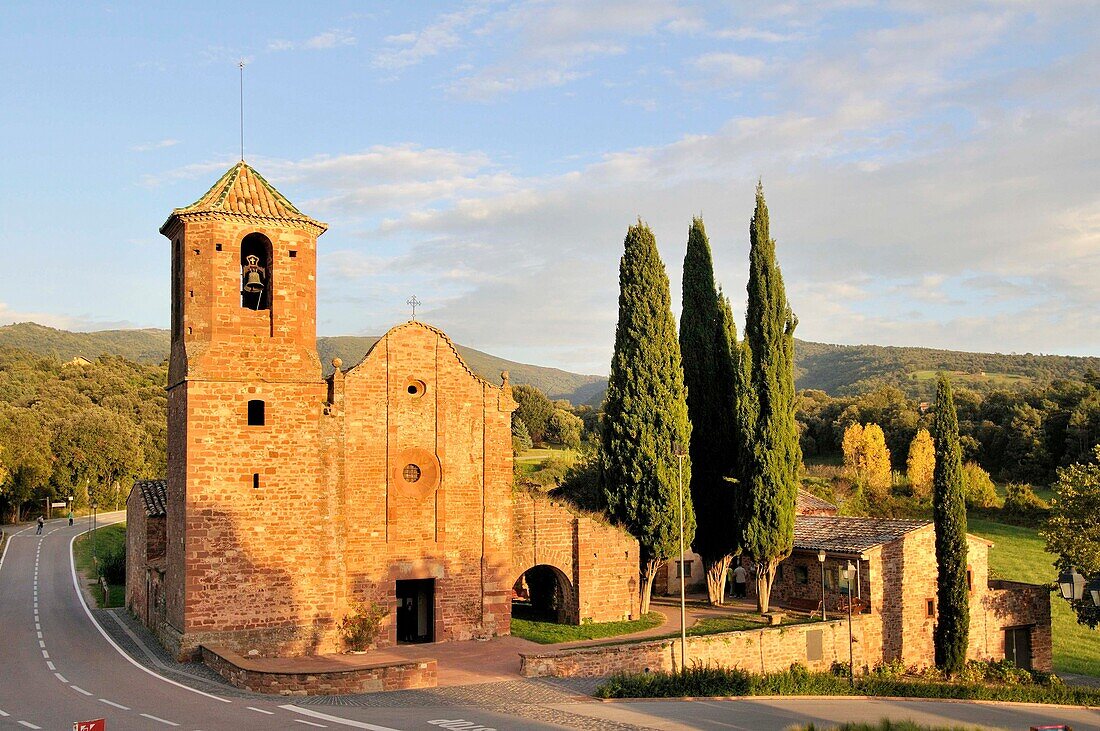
[{"x": 100, "y": 724}]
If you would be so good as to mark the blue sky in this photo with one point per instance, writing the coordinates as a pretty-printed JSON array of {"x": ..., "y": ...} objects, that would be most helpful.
[{"x": 932, "y": 169}]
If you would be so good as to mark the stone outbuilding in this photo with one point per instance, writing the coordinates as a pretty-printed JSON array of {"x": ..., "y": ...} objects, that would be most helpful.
[{"x": 294, "y": 502}]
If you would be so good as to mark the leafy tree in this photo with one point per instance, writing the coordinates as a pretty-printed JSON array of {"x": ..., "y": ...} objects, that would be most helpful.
[
  {"x": 866, "y": 458},
  {"x": 534, "y": 408},
  {"x": 521, "y": 438},
  {"x": 101, "y": 449},
  {"x": 565, "y": 429},
  {"x": 980, "y": 490},
  {"x": 24, "y": 459},
  {"x": 952, "y": 631},
  {"x": 770, "y": 455},
  {"x": 645, "y": 414},
  {"x": 921, "y": 464},
  {"x": 705, "y": 344},
  {"x": 1073, "y": 531}
]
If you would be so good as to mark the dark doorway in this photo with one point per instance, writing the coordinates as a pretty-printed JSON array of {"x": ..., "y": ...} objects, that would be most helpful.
[
  {"x": 416, "y": 611},
  {"x": 1018, "y": 646},
  {"x": 543, "y": 594}
]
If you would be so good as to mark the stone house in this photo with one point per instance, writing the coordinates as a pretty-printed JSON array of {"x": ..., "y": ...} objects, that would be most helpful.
[
  {"x": 291, "y": 501},
  {"x": 895, "y": 588}
]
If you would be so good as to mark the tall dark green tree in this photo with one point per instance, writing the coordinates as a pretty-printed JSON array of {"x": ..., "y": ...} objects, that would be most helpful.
[
  {"x": 952, "y": 633},
  {"x": 770, "y": 454},
  {"x": 645, "y": 414},
  {"x": 708, "y": 375}
]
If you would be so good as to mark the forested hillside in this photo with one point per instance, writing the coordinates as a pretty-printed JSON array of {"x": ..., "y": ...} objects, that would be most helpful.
[{"x": 839, "y": 370}]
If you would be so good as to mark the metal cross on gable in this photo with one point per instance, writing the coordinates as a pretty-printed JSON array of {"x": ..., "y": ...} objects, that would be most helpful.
[{"x": 413, "y": 302}]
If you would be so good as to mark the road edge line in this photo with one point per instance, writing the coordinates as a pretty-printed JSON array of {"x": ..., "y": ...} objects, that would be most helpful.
[
  {"x": 118, "y": 649},
  {"x": 335, "y": 719}
]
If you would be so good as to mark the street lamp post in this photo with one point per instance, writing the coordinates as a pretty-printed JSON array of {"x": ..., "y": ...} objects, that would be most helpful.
[
  {"x": 94, "y": 526},
  {"x": 851, "y": 663},
  {"x": 679, "y": 450},
  {"x": 821, "y": 562}
]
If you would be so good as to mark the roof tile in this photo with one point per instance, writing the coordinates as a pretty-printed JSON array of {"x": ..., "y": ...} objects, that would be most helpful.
[{"x": 849, "y": 534}]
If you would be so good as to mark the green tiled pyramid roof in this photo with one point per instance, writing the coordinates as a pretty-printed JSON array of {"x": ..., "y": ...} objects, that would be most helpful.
[{"x": 244, "y": 192}]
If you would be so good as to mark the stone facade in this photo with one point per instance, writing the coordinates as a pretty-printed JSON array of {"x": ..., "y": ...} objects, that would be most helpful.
[{"x": 292, "y": 500}]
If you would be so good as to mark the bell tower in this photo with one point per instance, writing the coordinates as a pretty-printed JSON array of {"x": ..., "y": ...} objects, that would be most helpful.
[{"x": 245, "y": 397}]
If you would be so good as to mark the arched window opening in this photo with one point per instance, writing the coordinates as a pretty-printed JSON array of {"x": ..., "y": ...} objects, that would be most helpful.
[
  {"x": 256, "y": 416},
  {"x": 256, "y": 272},
  {"x": 543, "y": 594}
]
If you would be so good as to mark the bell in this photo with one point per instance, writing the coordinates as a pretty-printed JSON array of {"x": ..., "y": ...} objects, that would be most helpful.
[{"x": 253, "y": 282}]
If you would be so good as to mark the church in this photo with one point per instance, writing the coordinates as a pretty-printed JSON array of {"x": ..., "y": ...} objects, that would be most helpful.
[{"x": 293, "y": 502}]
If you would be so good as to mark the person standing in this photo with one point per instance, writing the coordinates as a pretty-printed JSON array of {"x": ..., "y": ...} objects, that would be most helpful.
[
  {"x": 41, "y": 522},
  {"x": 740, "y": 582}
]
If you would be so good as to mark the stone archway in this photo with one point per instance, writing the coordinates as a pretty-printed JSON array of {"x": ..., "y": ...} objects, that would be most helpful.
[{"x": 543, "y": 593}]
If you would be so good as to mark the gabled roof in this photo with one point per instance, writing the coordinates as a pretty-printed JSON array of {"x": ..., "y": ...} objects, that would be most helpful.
[
  {"x": 244, "y": 192},
  {"x": 809, "y": 504},
  {"x": 154, "y": 495},
  {"x": 849, "y": 534}
]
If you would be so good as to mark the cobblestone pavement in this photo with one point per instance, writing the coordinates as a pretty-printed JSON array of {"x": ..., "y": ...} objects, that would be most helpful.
[{"x": 521, "y": 698}]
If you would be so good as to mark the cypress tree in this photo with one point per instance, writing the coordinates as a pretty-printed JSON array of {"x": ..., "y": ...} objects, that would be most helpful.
[
  {"x": 645, "y": 414},
  {"x": 770, "y": 455},
  {"x": 952, "y": 632},
  {"x": 708, "y": 375}
]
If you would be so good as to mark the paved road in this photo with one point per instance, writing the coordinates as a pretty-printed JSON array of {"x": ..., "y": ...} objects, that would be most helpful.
[{"x": 56, "y": 667}]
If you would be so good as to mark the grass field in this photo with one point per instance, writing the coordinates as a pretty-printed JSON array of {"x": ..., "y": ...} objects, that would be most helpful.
[
  {"x": 1020, "y": 555},
  {"x": 962, "y": 377},
  {"x": 541, "y": 454},
  {"x": 548, "y": 633},
  {"x": 110, "y": 537}
]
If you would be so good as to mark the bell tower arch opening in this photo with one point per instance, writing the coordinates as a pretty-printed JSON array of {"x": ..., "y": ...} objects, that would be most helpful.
[{"x": 256, "y": 274}]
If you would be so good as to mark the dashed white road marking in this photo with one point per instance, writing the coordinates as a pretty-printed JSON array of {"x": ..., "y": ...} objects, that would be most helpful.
[
  {"x": 3, "y": 714},
  {"x": 116, "y": 705},
  {"x": 50, "y": 665},
  {"x": 61, "y": 677},
  {"x": 157, "y": 718},
  {"x": 45, "y": 654},
  {"x": 335, "y": 719},
  {"x": 259, "y": 710},
  {"x": 28, "y": 724},
  {"x": 78, "y": 689},
  {"x": 310, "y": 723},
  {"x": 42, "y": 644}
]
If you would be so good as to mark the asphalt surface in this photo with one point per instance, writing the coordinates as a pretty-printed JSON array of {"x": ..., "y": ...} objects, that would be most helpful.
[{"x": 57, "y": 667}]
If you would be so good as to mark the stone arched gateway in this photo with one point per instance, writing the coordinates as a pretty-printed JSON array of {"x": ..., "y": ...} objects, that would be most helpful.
[
  {"x": 544, "y": 593},
  {"x": 595, "y": 562}
]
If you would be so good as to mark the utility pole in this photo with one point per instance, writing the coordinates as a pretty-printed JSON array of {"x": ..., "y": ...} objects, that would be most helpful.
[{"x": 683, "y": 599}]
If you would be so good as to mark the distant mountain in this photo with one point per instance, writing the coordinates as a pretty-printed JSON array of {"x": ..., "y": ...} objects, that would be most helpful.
[
  {"x": 836, "y": 369},
  {"x": 144, "y": 346}
]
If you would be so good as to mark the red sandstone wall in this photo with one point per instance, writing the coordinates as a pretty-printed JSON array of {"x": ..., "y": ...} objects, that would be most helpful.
[
  {"x": 599, "y": 560},
  {"x": 457, "y": 532},
  {"x": 136, "y": 597}
]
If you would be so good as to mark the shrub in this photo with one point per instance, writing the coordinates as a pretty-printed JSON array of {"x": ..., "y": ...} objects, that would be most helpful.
[
  {"x": 360, "y": 628},
  {"x": 980, "y": 491},
  {"x": 111, "y": 565},
  {"x": 1023, "y": 504}
]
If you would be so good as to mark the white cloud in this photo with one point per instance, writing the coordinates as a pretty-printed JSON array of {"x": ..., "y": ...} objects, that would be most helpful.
[
  {"x": 77, "y": 323},
  {"x": 722, "y": 69},
  {"x": 325, "y": 41},
  {"x": 409, "y": 49},
  {"x": 158, "y": 145}
]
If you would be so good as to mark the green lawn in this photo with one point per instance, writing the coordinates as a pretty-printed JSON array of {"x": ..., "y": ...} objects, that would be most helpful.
[
  {"x": 549, "y": 633},
  {"x": 1020, "y": 555},
  {"x": 541, "y": 454},
  {"x": 110, "y": 537},
  {"x": 732, "y": 623}
]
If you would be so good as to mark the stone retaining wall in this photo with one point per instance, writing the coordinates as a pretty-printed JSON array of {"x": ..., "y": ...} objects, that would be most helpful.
[
  {"x": 816, "y": 645},
  {"x": 251, "y": 675}
]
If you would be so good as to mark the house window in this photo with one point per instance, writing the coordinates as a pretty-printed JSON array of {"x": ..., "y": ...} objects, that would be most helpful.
[
  {"x": 831, "y": 578},
  {"x": 255, "y": 480},
  {"x": 801, "y": 575},
  {"x": 930, "y": 607},
  {"x": 683, "y": 568},
  {"x": 256, "y": 413}
]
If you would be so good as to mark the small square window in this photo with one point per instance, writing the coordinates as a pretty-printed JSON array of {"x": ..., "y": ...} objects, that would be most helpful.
[
  {"x": 195, "y": 250},
  {"x": 293, "y": 254},
  {"x": 930, "y": 607},
  {"x": 256, "y": 416},
  {"x": 217, "y": 247},
  {"x": 255, "y": 480}
]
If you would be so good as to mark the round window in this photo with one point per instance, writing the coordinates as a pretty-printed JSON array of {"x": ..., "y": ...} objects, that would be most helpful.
[
  {"x": 415, "y": 388},
  {"x": 411, "y": 473},
  {"x": 414, "y": 472}
]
